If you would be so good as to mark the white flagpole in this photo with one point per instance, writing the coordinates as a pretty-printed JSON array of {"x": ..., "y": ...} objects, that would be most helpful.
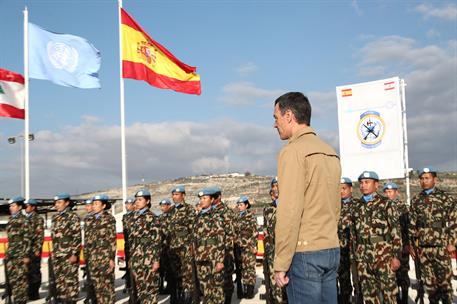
[
  {"x": 121, "y": 92},
  {"x": 405, "y": 140},
  {"x": 26, "y": 104}
]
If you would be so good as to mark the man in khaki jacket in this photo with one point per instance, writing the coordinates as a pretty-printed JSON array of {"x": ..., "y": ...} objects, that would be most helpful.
[{"x": 307, "y": 247}]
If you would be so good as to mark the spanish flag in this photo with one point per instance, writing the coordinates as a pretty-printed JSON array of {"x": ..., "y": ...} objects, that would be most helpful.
[{"x": 145, "y": 59}]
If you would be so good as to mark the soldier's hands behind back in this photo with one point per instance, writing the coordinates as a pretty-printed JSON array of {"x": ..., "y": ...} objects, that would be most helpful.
[
  {"x": 395, "y": 264},
  {"x": 219, "y": 267}
]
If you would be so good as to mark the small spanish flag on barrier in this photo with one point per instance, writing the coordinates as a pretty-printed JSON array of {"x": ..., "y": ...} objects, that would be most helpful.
[
  {"x": 346, "y": 92},
  {"x": 145, "y": 59}
]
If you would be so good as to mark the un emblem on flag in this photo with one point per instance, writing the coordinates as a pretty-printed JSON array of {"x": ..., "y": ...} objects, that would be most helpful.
[
  {"x": 370, "y": 129},
  {"x": 62, "y": 56}
]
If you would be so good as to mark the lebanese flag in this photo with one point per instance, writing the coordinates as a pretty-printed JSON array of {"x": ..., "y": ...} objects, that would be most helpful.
[
  {"x": 143, "y": 58},
  {"x": 12, "y": 94}
]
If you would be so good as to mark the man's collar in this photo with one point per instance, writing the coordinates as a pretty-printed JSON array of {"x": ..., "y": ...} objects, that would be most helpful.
[{"x": 300, "y": 132}]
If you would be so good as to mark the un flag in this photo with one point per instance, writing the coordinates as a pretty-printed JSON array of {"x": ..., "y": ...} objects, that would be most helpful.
[{"x": 64, "y": 59}]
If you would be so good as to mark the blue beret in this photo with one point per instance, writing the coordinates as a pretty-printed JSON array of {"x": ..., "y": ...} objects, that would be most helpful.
[
  {"x": 369, "y": 175},
  {"x": 31, "y": 201},
  {"x": 100, "y": 197},
  {"x": 206, "y": 191},
  {"x": 165, "y": 201},
  {"x": 390, "y": 185},
  {"x": 143, "y": 192},
  {"x": 179, "y": 188},
  {"x": 62, "y": 196},
  {"x": 216, "y": 189},
  {"x": 426, "y": 170},
  {"x": 88, "y": 201},
  {"x": 16, "y": 199},
  {"x": 274, "y": 181},
  {"x": 242, "y": 199},
  {"x": 129, "y": 201},
  {"x": 346, "y": 180}
]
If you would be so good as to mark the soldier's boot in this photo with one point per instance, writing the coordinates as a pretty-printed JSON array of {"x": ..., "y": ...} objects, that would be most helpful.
[
  {"x": 228, "y": 299},
  {"x": 249, "y": 292}
]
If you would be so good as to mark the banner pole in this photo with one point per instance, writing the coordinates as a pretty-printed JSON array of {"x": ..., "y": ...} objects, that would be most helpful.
[
  {"x": 26, "y": 105},
  {"x": 405, "y": 141},
  {"x": 121, "y": 93}
]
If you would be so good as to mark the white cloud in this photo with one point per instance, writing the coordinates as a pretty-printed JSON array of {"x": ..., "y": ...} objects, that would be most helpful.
[
  {"x": 247, "y": 68},
  {"x": 447, "y": 12},
  {"x": 247, "y": 93}
]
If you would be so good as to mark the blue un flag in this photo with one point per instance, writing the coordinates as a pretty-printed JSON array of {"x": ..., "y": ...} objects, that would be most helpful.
[{"x": 64, "y": 59}]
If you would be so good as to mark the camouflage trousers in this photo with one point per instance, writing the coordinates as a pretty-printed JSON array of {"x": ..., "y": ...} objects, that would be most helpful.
[
  {"x": 67, "y": 280},
  {"x": 34, "y": 274},
  {"x": 377, "y": 278},
  {"x": 437, "y": 273},
  {"x": 17, "y": 276},
  {"x": 402, "y": 273},
  {"x": 103, "y": 281},
  {"x": 275, "y": 294},
  {"x": 248, "y": 260},
  {"x": 146, "y": 281},
  {"x": 211, "y": 282},
  {"x": 181, "y": 268}
]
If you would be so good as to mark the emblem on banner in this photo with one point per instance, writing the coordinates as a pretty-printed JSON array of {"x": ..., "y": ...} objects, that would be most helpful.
[
  {"x": 370, "y": 129},
  {"x": 62, "y": 56}
]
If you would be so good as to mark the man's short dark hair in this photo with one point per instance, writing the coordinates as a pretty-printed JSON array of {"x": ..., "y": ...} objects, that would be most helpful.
[{"x": 298, "y": 104}]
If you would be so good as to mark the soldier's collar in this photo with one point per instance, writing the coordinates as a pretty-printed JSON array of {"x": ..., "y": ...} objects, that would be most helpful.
[
  {"x": 14, "y": 215},
  {"x": 244, "y": 212},
  {"x": 142, "y": 211},
  {"x": 179, "y": 205},
  {"x": 369, "y": 197},
  {"x": 429, "y": 191},
  {"x": 346, "y": 200},
  {"x": 206, "y": 210}
]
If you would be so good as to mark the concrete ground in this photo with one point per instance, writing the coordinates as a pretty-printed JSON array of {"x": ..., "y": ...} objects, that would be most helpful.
[{"x": 123, "y": 298}]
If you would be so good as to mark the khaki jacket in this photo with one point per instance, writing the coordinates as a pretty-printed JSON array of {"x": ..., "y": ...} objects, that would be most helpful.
[{"x": 309, "y": 174}]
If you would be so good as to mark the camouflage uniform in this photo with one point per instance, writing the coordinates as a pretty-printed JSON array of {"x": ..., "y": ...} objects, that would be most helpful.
[
  {"x": 66, "y": 241},
  {"x": 247, "y": 242},
  {"x": 164, "y": 220},
  {"x": 145, "y": 241},
  {"x": 100, "y": 241},
  {"x": 209, "y": 247},
  {"x": 88, "y": 284},
  {"x": 127, "y": 220},
  {"x": 401, "y": 274},
  {"x": 19, "y": 246},
  {"x": 229, "y": 218},
  {"x": 180, "y": 235},
  {"x": 433, "y": 224},
  {"x": 277, "y": 294},
  {"x": 344, "y": 269},
  {"x": 378, "y": 239},
  {"x": 34, "y": 273}
]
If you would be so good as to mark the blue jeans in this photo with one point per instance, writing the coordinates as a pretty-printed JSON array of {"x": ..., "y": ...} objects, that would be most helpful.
[{"x": 312, "y": 277}]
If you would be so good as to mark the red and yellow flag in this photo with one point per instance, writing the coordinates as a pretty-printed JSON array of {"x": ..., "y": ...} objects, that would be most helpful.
[{"x": 145, "y": 59}]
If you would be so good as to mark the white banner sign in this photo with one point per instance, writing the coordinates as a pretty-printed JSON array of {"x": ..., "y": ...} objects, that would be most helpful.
[{"x": 371, "y": 129}]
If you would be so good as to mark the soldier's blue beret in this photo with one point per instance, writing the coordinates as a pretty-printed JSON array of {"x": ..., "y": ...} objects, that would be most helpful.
[
  {"x": 16, "y": 199},
  {"x": 390, "y": 185},
  {"x": 206, "y": 191},
  {"x": 143, "y": 193},
  {"x": 346, "y": 180},
  {"x": 62, "y": 196},
  {"x": 242, "y": 199},
  {"x": 88, "y": 201},
  {"x": 31, "y": 201},
  {"x": 426, "y": 170},
  {"x": 165, "y": 201},
  {"x": 369, "y": 175},
  {"x": 100, "y": 197},
  {"x": 274, "y": 181},
  {"x": 129, "y": 201},
  {"x": 216, "y": 189},
  {"x": 179, "y": 188}
]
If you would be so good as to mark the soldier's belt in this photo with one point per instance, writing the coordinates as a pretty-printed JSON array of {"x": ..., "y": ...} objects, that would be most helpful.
[
  {"x": 207, "y": 242},
  {"x": 374, "y": 239}
]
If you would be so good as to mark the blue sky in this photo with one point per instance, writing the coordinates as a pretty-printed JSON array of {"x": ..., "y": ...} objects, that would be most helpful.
[{"x": 247, "y": 53}]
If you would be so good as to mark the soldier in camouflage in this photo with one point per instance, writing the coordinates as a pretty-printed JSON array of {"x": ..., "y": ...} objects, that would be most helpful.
[
  {"x": 390, "y": 189},
  {"x": 209, "y": 249},
  {"x": 433, "y": 224},
  {"x": 378, "y": 239},
  {"x": 127, "y": 220},
  {"x": 146, "y": 245},
  {"x": 166, "y": 206},
  {"x": 246, "y": 230},
  {"x": 17, "y": 254},
  {"x": 88, "y": 286},
  {"x": 274, "y": 294},
  {"x": 229, "y": 217},
  {"x": 346, "y": 258},
  {"x": 66, "y": 243},
  {"x": 100, "y": 241},
  {"x": 37, "y": 228},
  {"x": 180, "y": 236}
]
